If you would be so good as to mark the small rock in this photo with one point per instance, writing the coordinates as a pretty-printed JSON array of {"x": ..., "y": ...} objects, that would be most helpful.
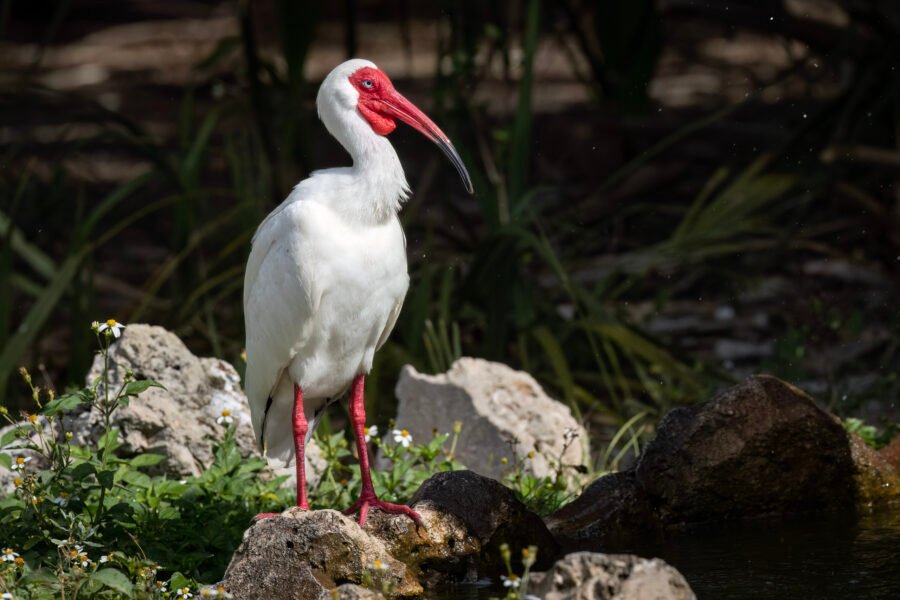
[
  {"x": 504, "y": 413},
  {"x": 877, "y": 481},
  {"x": 591, "y": 576},
  {"x": 306, "y": 554},
  {"x": 351, "y": 591}
]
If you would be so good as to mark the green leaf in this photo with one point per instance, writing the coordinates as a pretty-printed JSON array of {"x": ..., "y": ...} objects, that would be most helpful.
[
  {"x": 113, "y": 578},
  {"x": 63, "y": 403},
  {"x": 10, "y": 435},
  {"x": 5, "y": 461},
  {"x": 136, "y": 387},
  {"x": 146, "y": 460},
  {"x": 106, "y": 478},
  {"x": 178, "y": 581},
  {"x": 83, "y": 470}
]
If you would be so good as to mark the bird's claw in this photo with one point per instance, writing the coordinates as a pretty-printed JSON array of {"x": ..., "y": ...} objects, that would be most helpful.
[{"x": 370, "y": 501}]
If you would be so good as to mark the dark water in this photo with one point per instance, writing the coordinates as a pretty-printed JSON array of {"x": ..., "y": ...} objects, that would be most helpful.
[
  {"x": 816, "y": 558},
  {"x": 834, "y": 558}
]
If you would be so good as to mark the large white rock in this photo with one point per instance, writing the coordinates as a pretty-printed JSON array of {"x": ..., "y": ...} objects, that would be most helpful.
[
  {"x": 179, "y": 421},
  {"x": 504, "y": 413}
]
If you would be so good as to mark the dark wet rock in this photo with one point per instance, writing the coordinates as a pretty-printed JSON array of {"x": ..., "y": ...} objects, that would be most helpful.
[
  {"x": 613, "y": 508},
  {"x": 491, "y": 514},
  {"x": 307, "y": 554},
  {"x": 760, "y": 448},
  {"x": 591, "y": 576}
]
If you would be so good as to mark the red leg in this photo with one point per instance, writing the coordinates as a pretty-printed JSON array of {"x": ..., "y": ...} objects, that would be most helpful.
[
  {"x": 367, "y": 497},
  {"x": 301, "y": 427}
]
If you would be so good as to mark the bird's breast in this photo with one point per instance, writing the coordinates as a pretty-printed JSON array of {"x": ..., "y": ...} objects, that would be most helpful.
[{"x": 360, "y": 275}]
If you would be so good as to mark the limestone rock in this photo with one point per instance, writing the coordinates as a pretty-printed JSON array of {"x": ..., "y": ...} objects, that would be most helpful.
[
  {"x": 760, "y": 448},
  {"x": 304, "y": 555},
  {"x": 504, "y": 413},
  {"x": 179, "y": 421},
  {"x": 351, "y": 591},
  {"x": 590, "y": 576}
]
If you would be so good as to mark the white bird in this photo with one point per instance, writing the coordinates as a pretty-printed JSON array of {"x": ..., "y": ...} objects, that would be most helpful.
[{"x": 327, "y": 275}]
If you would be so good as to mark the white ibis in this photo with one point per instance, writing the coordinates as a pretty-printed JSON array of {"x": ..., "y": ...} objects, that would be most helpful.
[{"x": 327, "y": 275}]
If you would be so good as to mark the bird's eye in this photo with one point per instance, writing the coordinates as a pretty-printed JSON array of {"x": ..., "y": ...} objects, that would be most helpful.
[{"x": 367, "y": 83}]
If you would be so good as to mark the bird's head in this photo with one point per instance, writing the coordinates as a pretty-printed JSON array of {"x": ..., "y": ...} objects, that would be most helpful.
[{"x": 358, "y": 90}]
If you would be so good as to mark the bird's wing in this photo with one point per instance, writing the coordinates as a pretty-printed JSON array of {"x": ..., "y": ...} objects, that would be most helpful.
[
  {"x": 389, "y": 324},
  {"x": 279, "y": 301}
]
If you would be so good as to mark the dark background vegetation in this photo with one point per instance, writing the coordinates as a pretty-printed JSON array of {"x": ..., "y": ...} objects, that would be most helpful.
[{"x": 669, "y": 195}]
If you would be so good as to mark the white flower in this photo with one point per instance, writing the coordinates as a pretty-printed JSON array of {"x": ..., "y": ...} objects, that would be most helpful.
[
  {"x": 208, "y": 592},
  {"x": 162, "y": 586},
  {"x": 377, "y": 565},
  {"x": 184, "y": 593},
  {"x": 104, "y": 559},
  {"x": 115, "y": 328},
  {"x": 226, "y": 419},
  {"x": 370, "y": 432},
  {"x": 402, "y": 437},
  {"x": 9, "y": 555},
  {"x": 19, "y": 463},
  {"x": 511, "y": 582},
  {"x": 223, "y": 593},
  {"x": 83, "y": 560},
  {"x": 7, "y": 596}
]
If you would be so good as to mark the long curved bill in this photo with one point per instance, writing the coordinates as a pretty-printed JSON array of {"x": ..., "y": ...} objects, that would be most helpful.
[{"x": 399, "y": 107}]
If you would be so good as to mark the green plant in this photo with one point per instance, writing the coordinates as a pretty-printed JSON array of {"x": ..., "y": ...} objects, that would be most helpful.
[
  {"x": 516, "y": 585},
  {"x": 89, "y": 522}
]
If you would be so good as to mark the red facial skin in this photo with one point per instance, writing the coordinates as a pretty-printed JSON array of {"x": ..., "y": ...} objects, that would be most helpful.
[{"x": 370, "y": 104}]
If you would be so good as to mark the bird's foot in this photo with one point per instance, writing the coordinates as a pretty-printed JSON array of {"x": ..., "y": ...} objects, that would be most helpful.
[
  {"x": 261, "y": 516},
  {"x": 369, "y": 501}
]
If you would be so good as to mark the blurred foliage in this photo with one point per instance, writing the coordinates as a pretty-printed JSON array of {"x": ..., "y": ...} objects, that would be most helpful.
[{"x": 501, "y": 282}]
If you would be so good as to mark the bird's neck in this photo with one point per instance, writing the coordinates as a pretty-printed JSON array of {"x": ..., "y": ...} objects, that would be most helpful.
[{"x": 379, "y": 179}]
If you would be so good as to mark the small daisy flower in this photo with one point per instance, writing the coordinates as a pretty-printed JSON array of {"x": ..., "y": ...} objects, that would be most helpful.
[
  {"x": 370, "y": 432},
  {"x": 62, "y": 499},
  {"x": 225, "y": 419},
  {"x": 402, "y": 437},
  {"x": 184, "y": 593},
  {"x": 113, "y": 327},
  {"x": 19, "y": 463},
  {"x": 17, "y": 481},
  {"x": 208, "y": 592},
  {"x": 83, "y": 560},
  {"x": 104, "y": 559},
  {"x": 20, "y": 562},
  {"x": 223, "y": 593},
  {"x": 378, "y": 565},
  {"x": 512, "y": 581},
  {"x": 7, "y": 596},
  {"x": 32, "y": 419},
  {"x": 9, "y": 555},
  {"x": 161, "y": 586}
]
